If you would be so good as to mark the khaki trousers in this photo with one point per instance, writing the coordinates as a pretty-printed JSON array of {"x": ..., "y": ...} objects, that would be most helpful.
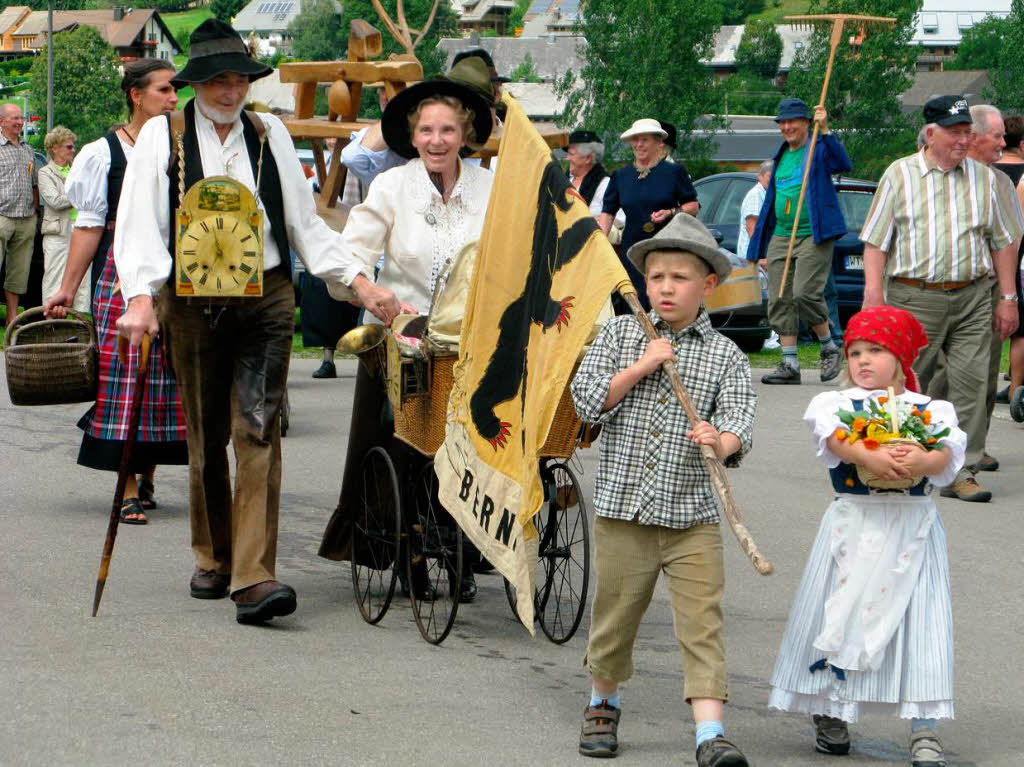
[
  {"x": 231, "y": 365},
  {"x": 629, "y": 559},
  {"x": 804, "y": 297},
  {"x": 959, "y": 326},
  {"x": 17, "y": 238}
]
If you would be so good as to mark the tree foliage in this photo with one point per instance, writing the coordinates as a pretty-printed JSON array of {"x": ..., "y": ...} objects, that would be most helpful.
[
  {"x": 87, "y": 94},
  {"x": 643, "y": 59},
  {"x": 1006, "y": 78},
  {"x": 747, "y": 94},
  {"x": 863, "y": 97},
  {"x": 226, "y": 10},
  {"x": 737, "y": 11},
  {"x": 517, "y": 17},
  {"x": 319, "y": 33},
  {"x": 526, "y": 72},
  {"x": 760, "y": 50},
  {"x": 981, "y": 45}
]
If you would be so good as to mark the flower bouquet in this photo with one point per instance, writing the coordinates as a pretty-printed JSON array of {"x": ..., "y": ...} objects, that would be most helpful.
[{"x": 886, "y": 423}]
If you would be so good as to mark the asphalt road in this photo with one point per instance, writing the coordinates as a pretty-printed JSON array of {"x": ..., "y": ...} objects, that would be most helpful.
[{"x": 162, "y": 679}]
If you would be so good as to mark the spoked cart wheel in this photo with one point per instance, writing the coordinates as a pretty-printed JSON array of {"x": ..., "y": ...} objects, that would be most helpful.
[
  {"x": 435, "y": 560},
  {"x": 563, "y": 560},
  {"x": 376, "y": 534}
]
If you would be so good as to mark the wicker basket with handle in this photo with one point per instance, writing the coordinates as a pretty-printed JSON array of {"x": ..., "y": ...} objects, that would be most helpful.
[
  {"x": 420, "y": 420},
  {"x": 868, "y": 477},
  {"x": 50, "y": 362}
]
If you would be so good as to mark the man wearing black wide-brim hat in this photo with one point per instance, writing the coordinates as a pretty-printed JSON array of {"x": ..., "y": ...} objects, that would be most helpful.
[{"x": 229, "y": 352}]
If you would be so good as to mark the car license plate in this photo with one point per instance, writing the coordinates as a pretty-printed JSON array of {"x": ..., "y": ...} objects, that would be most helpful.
[{"x": 855, "y": 263}]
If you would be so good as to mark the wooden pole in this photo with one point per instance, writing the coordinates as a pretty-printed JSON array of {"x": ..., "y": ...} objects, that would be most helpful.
[
  {"x": 837, "y": 33},
  {"x": 714, "y": 466},
  {"x": 134, "y": 416}
]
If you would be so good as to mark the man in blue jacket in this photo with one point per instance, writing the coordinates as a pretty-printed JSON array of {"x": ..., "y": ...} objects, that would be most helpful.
[{"x": 821, "y": 222}]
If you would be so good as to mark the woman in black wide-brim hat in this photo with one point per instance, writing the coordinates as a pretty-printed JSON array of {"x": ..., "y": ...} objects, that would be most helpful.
[{"x": 417, "y": 217}]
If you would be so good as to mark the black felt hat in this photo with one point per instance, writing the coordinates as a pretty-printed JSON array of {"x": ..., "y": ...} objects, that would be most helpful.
[
  {"x": 468, "y": 81},
  {"x": 670, "y": 133},
  {"x": 583, "y": 137},
  {"x": 215, "y": 48}
]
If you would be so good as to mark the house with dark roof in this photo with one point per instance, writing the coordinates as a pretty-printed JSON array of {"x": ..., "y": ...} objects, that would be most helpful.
[
  {"x": 133, "y": 34},
  {"x": 482, "y": 15},
  {"x": 268, "y": 21},
  {"x": 552, "y": 56}
]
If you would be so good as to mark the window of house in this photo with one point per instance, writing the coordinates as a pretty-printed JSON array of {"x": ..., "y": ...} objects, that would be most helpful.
[
  {"x": 964, "y": 21},
  {"x": 930, "y": 23}
]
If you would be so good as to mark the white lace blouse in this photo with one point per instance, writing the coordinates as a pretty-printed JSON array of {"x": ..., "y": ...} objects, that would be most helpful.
[
  {"x": 821, "y": 417},
  {"x": 405, "y": 219},
  {"x": 86, "y": 185}
]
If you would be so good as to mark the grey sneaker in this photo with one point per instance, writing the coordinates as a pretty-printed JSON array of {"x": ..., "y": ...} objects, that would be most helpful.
[
  {"x": 831, "y": 735},
  {"x": 831, "y": 361},
  {"x": 783, "y": 374},
  {"x": 926, "y": 749},
  {"x": 718, "y": 752}
]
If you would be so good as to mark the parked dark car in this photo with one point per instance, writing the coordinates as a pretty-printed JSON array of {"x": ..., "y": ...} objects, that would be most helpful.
[{"x": 721, "y": 196}]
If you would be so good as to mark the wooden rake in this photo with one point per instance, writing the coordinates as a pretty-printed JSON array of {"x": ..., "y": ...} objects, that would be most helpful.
[{"x": 862, "y": 24}]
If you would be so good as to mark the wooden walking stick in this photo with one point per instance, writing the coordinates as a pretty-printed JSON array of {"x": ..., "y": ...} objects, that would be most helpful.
[
  {"x": 714, "y": 466},
  {"x": 837, "y": 20},
  {"x": 134, "y": 416}
]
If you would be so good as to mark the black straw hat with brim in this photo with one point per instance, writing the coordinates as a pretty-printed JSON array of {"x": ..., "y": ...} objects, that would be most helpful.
[
  {"x": 215, "y": 48},
  {"x": 468, "y": 81}
]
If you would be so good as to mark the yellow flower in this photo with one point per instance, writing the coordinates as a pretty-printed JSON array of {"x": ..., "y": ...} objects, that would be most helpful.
[
  {"x": 859, "y": 424},
  {"x": 841, "y": 434},
  {"x": 926, "y": 416},
  {"x": 849, "y": 482}
]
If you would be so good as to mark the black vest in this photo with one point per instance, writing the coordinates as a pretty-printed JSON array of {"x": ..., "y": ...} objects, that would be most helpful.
[
  {"x": 591, "y": 181},
  {"x": 115, "y": 178},
  {"x": 269, "y": 179}
]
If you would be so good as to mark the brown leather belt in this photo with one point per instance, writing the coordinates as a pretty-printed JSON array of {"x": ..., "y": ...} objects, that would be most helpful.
[{"x": 946, "y": 286}]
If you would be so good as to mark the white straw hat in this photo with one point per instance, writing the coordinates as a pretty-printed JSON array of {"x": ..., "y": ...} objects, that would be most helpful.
[{"x": 642, "y": 126}]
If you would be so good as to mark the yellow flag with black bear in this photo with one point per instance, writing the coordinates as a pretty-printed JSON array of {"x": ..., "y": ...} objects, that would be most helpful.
[{"x": 543, "y": 273}]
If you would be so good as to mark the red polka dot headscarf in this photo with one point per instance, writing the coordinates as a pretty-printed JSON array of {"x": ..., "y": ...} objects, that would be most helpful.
[{"x": 893, "y": 329}]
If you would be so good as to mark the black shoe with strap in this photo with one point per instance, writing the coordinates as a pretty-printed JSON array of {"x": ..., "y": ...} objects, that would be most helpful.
[
  {"x": 599, "y": 735},
  {"x": 832, "y": 736},
  {"x": 783, "y": 374}
]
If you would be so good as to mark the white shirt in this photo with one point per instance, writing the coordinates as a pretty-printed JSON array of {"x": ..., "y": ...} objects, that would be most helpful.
[
  {"x": 395, "y": 221},
  {"x": 86, "y": 184},
  {"x": 597, "y": 203},
  {"x": 367, "y": 164},
  {"x": 143, "y": 218},
  {"x": 751, "y": 207}
]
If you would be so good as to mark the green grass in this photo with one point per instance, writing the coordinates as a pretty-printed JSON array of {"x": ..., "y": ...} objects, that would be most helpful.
[
  {"x": 182, "y": 23},
  {"x": 775, "y": 13},
  {"x": 808, "y": 355}
]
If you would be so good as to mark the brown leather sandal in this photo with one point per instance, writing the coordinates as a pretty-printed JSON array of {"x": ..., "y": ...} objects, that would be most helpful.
[{"x": 599, "y": 735}]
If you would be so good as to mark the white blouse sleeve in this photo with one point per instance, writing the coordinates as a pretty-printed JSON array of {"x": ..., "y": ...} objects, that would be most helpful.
[
  {"x": 369, "y": 223},
  {"x": 821, "y": 416},
  {"x": 86, "y": 184},
  {"x": 955, "y": 442}
]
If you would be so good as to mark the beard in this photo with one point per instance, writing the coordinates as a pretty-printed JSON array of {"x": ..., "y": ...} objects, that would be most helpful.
[{"x": 219, "y": 116}]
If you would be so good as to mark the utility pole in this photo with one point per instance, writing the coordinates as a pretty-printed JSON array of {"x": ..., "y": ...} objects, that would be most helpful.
[{"x": 49, "y": 66}]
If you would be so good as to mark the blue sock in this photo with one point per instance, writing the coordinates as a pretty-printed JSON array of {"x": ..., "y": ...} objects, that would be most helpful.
[
  {"x": 614, "y": 699},
  {"x": 709, "y": 730},
  {"x": 827, "y": 343},
  {"x": 916, "y": 725},
  {"x": 789, "y": 357}
]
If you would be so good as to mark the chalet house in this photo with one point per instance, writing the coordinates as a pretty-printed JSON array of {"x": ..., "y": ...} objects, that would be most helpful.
[
  {"x": 134, "y": 34},
  {"x": 941, "y": 23},
  {"x": 268, "y": 21},
  {"x": 10, "y": 19}
]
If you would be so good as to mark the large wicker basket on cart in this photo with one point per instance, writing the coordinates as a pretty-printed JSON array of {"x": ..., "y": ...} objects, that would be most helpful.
[{"x": 419, "y": 385}]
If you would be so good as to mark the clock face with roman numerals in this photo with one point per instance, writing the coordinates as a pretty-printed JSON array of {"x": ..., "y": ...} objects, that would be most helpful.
[
  {"x": 220, "y": 255},
  {"x": 219, "y": 243}
]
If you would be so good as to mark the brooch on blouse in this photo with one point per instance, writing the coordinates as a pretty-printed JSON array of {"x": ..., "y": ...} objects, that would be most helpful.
[{"x": 430, "y": 218}]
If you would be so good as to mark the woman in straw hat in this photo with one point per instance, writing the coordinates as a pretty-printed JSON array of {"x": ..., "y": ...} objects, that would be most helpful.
[
  {"x": 650, "y": 191},
  {"x": 418, "y": 217}
]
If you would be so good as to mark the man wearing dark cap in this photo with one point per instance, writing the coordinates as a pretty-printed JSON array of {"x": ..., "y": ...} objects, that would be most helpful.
[
  {"x": 496, "y": 79},
  {"x": 938, "y": 226},
  {"x": 230, "y": 355},
  {"x": 586, "y": 173},
  {"x": 821, "y": 222}
]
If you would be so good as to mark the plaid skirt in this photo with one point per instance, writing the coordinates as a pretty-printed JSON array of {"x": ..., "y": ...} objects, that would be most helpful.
[{"x": 162, "y": 418}]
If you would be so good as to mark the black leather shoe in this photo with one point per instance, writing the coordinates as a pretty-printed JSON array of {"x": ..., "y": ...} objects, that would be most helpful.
[
  {"x": 467, "y": 589},
  {"x": 209, "y": 584},
  {"x": 718, "y": 752},
  {"x": 260, "y": 603},
  {"x": 326, "y": 370},
  {"x": 783, "y": 374}
]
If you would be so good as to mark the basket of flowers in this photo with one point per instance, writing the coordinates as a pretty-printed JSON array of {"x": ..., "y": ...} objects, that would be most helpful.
[{"x": 885, "y": 423}]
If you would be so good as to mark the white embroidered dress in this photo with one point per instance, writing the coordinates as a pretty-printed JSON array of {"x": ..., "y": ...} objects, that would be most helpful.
[
  {"x": 405, "y": 219},
  {"x": 872, "y": 614}
]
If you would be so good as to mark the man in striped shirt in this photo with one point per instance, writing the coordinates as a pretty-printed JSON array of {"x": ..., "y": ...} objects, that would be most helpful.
[{"x": 939, "y": 225}]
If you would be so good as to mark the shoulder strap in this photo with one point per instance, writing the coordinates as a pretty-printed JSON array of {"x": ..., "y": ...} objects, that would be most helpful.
[{"x": 257, "y": 123}]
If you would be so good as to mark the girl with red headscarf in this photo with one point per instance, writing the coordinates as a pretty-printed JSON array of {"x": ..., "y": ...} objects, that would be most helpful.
[{"x": 871, "y": 629}]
